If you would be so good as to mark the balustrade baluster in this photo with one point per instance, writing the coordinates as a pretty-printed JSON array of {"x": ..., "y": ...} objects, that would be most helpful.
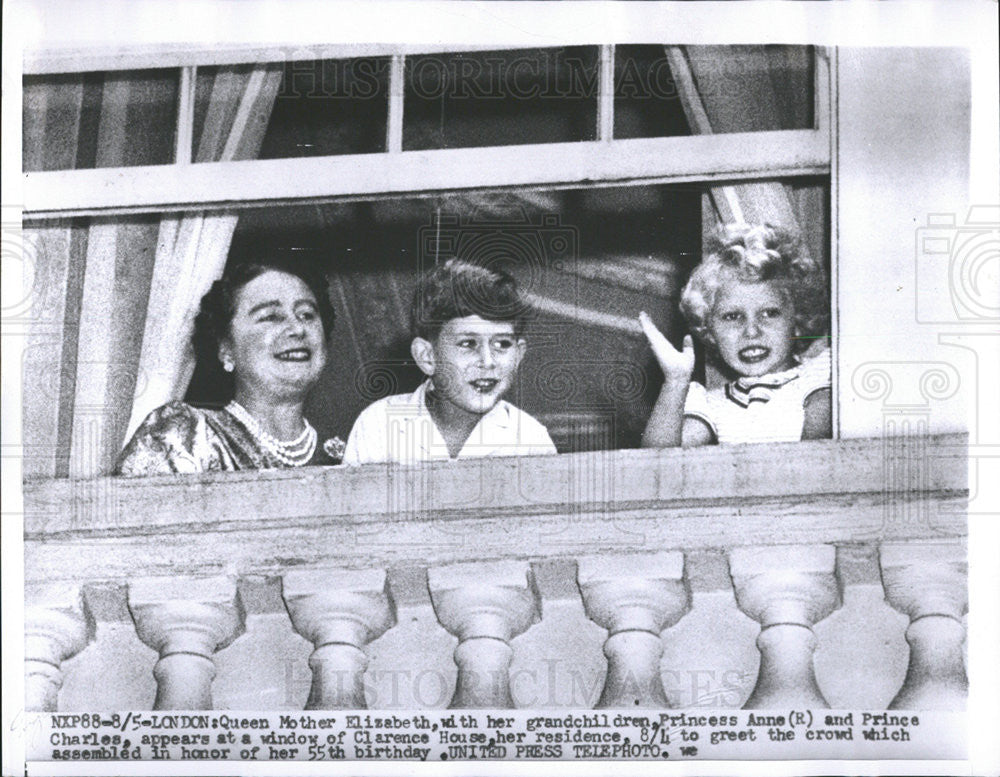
[
  {"x": 57, "y": 625},
  {"x": 635, "y": 598},
  {"x": 787, "y": 589},
  {"x": 929, "y": 583},
  {"x": 339, "y": 612},
  {"x": 186, "y": 621},
  {"x": 485, "y": 605}
]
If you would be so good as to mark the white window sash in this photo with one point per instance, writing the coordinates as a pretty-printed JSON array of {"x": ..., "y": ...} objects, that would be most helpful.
[
  {"x": 225, "y": 185},
  {"x": 604, "y": 162}
]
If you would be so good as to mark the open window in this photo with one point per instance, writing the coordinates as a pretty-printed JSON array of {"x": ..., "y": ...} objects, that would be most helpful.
[{"x": 592, "y": 172}]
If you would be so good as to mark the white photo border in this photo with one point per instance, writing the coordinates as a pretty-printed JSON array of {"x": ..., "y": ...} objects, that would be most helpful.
[{"x": 88, "y": 26}]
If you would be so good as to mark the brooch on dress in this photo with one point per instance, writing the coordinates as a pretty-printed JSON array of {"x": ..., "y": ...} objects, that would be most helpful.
[{"x": 334, "y": 448}]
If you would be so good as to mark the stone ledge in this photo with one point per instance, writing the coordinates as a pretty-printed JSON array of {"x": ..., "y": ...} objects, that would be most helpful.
[
  {"x": 604, "y": 481},
  {"x": 268, "y": 523}
]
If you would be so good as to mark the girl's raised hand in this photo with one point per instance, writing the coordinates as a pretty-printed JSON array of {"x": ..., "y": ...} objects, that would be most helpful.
[{"x": 676, "y": 365}]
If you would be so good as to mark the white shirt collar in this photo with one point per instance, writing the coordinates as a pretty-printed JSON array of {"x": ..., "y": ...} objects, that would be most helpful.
[{"x": 499, "y": 417}]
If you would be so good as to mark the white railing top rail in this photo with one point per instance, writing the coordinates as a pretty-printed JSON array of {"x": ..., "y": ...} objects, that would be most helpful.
[{"x": 850, "y": 491}]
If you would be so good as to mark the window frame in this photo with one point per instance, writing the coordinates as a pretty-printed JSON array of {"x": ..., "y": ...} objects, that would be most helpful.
[
  {"x": 605, "y": 161},
  {"x": 717, "y": 160}
]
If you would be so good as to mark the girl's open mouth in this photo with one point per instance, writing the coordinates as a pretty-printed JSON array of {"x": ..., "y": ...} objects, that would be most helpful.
[{"x": 754, "y": 354}]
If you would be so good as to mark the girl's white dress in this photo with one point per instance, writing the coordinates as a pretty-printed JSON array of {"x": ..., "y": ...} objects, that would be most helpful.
[{"x": 766, "y": 408}]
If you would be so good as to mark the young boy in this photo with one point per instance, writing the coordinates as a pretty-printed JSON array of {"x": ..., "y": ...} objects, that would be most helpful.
[{"x": 467, "y": 326}]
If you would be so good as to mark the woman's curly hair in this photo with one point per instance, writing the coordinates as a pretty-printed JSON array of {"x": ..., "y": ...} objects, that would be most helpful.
[
  {"x": 754, "y": 253},
  {"x": 212, "y": 324}
]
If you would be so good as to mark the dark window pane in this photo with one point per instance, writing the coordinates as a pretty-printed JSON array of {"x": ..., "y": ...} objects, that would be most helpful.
[
  {"x": 500, "y": 98},
  {"x": 86, "y": 120},
  {"x": 328, "y": 107},
  {"x": 754, "y": 88},
  {"x": 588, "y": 260},
  {"x": 646, "y": 101},
  {"x": 737, "y": 89}
]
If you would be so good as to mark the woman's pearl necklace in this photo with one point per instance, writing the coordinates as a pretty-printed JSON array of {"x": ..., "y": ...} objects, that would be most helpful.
[{"x": 293, "y": 453}]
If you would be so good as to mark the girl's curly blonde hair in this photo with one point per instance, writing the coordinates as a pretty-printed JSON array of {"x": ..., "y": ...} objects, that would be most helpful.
[{"x": 755, "y": 253}]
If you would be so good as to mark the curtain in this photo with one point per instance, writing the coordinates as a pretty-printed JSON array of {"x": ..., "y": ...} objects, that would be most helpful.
[
  {"x": 117, "y": 296},
  {"x": 753, "y": 89},
  {"x": 192, "y": 248}
]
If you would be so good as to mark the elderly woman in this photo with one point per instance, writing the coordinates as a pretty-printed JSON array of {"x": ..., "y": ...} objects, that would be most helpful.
[{"x": 268, "y": 324}]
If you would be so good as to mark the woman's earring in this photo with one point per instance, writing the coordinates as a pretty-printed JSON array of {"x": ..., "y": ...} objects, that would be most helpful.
[{"x": 228, "y": 366}]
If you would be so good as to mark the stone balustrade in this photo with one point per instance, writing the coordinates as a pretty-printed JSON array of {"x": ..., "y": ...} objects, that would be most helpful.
[
  {"x": 485, "y": 605},
  {"x": 692, "y": 558},
  {"x": 634, "y": 598},
  {"x": 185, "y": 620},
  {"x": 929, "y": 582},
  {"x": 787, "y": 589},
  {"x": 339, "y": 613},
  {"x": 57, "y": 625}
]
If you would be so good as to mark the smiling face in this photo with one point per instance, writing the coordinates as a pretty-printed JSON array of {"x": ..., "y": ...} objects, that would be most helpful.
[
  {"x": 276, "y": 340},
  {"x": 472, "y": 361},
  {"x": 753, "y": 327}
]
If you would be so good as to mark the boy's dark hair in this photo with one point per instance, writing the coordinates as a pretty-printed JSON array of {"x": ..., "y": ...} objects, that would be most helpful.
[{"x": 458, "y": 288}]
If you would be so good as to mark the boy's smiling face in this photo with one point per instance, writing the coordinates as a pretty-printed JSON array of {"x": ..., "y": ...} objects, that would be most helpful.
[
  {"x": 472, "y": 361},
  {"x": 753, "y": 327}
]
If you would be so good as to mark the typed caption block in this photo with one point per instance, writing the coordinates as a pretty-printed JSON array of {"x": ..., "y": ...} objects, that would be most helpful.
[{"x": 494, "y": 735}]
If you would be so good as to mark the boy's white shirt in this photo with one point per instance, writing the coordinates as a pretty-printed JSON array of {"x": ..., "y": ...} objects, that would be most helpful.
[{"x": 400, "y": 429}]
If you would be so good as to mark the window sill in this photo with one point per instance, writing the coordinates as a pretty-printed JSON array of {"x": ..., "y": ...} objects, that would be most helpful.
[{"x": 864, "y": 490}]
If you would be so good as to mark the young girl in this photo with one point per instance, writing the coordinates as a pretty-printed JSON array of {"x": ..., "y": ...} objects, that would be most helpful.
[{"x": 756, "y": 303}]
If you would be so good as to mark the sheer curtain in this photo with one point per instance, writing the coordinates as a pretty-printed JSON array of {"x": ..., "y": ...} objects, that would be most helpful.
[
  {"x": 192, "y": 248},
  {"x": 116, "y": 297},
  {"x": 752, "y": 89}
]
